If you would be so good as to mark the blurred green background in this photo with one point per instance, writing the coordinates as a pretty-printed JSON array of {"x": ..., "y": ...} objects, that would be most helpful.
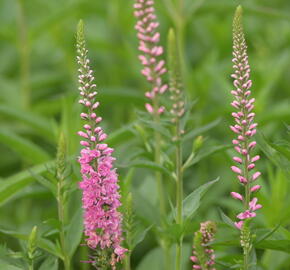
[{"x": 38, "y": 99}]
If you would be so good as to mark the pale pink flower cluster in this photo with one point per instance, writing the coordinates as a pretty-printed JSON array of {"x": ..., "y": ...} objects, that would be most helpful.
[
  {"x": 207, "y": 230},
  {"x": 151, "y": 51},
  {"x": 101, "y": 198},
  {"x": 245, "y": 127}
]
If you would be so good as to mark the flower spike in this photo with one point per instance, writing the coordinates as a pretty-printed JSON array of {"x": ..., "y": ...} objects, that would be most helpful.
[
  {"x": 99, "y": 184},
  {"x": 245, "y": 127},
  {"x": 151, "y": 51}
]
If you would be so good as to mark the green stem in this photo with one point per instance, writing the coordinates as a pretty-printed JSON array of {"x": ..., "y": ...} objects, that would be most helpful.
[
  {"x": 179, "y": 194},
  {"x": 30, "y": 267},
  {"x": 246, "y": 259},
  {"x": 24, "y": 57},
  {"x": 128, "y": 261},
  {"x": 61, "y": 211},
  {"x": 246, "y": 249},
  {"x": 160, "y": 188}
]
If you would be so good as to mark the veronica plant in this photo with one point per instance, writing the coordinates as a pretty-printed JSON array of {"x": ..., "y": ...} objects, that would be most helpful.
[
  {"x": 101, "y": 198},
  {"x": 176, "y": 112},
  {"x": 245, "y": 129},
  {"x": 153, "y": 69}
]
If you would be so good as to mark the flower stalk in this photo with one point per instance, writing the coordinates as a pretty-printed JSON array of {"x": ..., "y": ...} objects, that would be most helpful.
[
  {"x": 153, "y": 69},
  {"x": 245, "y": 129},
  {"x": 101, "y": 198},
  {"x": 177, "y": 111}
]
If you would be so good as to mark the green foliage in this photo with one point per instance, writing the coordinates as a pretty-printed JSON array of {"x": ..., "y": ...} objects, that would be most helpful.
[{"x": 47, "y": 68}]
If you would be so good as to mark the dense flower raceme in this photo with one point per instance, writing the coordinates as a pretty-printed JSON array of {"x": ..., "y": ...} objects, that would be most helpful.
[
  {"x": 203, "y": 255},
  {"x": 245, "y": 127},
  {"x": 101, "y": 199},
  {"x": 151, "y": 51}
]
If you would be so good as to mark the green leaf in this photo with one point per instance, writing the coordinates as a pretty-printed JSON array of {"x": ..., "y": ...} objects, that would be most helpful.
[
  {"x": 139, "y": 236},
  {"x": 39, "y": 124},
  {"x": 282, "y": 245},
  {"x": 144, "y": 208},
  {"x": 278, "y": 159},
  {"x": 45, "y": 182},
  {"x": 192, "y": 202},
  {"x": 226, "y": 219},
  {"x": 74, "y": 232},
  {"x": 50, "y": 263},
  {"x": 147, "y": 164},
  {"x": 28, "y": 150},
  {"x": 42, "y": 243},
  {"x": 121, "y": 135},
  {"x": 13, "y": 184},
  {"x": 5, "y": 266},
  {"x": 267, "y": 234},
  {"x": 282, "y": 149},
  {"x": 205, "y": 153},
  {"x": 154, "y": 258},
  {"x": 200, "y": 130}
]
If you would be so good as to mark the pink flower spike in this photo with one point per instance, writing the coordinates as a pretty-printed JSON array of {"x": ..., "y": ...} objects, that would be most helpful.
[
  {"x": 236, "y": 170},
  {"x": 255, "y": 188},
  {"x": 99, "y": 185},
  {"x": 237, "y": 196},
  {"x": 149, "y": 37},
  {"x": 239, "y": 224}
]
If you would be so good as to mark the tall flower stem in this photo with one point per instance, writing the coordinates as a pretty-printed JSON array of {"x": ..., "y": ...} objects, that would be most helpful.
[
  {"x": 245, "y": 128},
  {"x": 101, "y": 198},
  {"x": 61, "y": 200},
  {"x": 179, "y": 194},
  {"x": 153, "y": 69},
  {"x": 177, "y": 111},
  {"x": 160, "y": 188}
]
